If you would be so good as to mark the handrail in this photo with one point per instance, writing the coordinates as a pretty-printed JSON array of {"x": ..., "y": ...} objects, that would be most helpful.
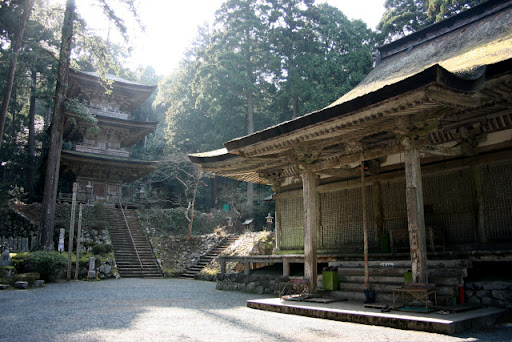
[{"x": 131, "y": 237}]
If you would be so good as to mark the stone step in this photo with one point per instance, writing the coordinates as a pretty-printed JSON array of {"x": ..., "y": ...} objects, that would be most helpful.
[
  {"x": 204, "y": 260},
  {"x": 123, "y": 240}
]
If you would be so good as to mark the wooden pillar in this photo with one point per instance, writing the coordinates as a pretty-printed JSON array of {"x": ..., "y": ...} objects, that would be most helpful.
[
  {"x": 365, "y": 228},
  {"x": 78, "y": 235},
  {"x": 310, "y": 227},
  {"x": 378, "y": 209},
  {"x": 71, "y": 230},
  {"x": 415, "y": 215},
  {"x": 478, "y": 203},
  {"x": 277, "y": 224}
]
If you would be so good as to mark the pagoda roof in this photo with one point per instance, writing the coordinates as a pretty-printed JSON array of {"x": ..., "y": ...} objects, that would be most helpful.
[
  {"x": 134, "y": 130},
  {"x": 133, "y": 94},
  {"x": 104, "y": 167},
  {"x": 463, "y": 63}
]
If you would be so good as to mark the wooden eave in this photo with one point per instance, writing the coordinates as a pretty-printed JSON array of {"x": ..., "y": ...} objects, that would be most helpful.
[
  {"x": 431, "y": 90},
  {"x": 103, "y": 167},
  {"x": 133, "y": 130},
  {"x": 132, "y": 94},
  {"x": 371, "y": 132}
]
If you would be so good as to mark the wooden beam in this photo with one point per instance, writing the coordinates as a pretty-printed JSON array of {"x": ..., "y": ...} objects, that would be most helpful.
[
  {"x": 415, "y": 215},
  {"x": 310, "y": 226}
]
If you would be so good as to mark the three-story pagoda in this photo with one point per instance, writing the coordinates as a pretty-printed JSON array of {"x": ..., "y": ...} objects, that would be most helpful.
[{"x": 99, "y": 161}]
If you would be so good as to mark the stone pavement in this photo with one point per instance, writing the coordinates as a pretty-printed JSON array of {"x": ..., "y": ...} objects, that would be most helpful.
[{"x": 177, "y": 310}]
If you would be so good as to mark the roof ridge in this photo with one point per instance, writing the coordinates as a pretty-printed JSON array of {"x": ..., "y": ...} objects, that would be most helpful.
[{"x": 443, "y": 27}]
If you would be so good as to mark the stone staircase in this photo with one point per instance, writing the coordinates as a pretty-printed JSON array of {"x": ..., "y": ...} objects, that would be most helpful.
[
  {"x": 204, "y": 260},
  {"x": 386, "y": 275},
  {"x": 128, "y": 263}
]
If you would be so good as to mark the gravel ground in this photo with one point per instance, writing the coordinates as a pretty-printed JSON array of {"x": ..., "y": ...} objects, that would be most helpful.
[{"x": 176, "y": 310}]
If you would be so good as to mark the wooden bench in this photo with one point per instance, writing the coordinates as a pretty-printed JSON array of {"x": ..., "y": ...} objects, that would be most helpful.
[{"x": 418, "y": 291}]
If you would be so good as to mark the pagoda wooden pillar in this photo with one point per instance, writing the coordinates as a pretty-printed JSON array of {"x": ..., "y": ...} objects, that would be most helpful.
[
  {"x": 311, "y": 207},
  {"x": 415, "y": 215}
]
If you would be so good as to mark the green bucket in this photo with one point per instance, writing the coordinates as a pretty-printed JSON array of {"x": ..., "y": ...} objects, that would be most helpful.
[{"x": 330, "y": 280}]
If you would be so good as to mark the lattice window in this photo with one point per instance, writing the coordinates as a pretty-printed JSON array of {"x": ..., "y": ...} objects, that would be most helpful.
[
  {"x": 450, "y": 199},
  {"x": 292, "y": 224},
  {"x": 497, "y": 184},
  {"x": 342, "y": 221}
]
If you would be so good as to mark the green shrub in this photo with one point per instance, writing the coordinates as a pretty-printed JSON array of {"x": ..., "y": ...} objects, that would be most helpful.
[
  {"x": 102, "y": 248},
  {"x": 51, "y": 265},
  {"x": 30, "y": 278}
]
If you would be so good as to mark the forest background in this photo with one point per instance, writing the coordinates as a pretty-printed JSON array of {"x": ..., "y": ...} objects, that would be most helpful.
[{"x": 260, "y": 63}]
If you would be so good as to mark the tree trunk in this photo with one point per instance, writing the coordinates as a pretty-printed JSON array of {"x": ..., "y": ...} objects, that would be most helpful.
[
  {"x": 295, "y": 106},
  {"x": 56, "y": 131},
  {"x": 27, "y": 8},
  {"x": 31, "y": 140},
  {"x": 213, "y": 187}
]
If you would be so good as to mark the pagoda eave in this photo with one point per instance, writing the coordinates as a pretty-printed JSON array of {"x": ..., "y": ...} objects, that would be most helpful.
[{"x": 106, "y": 168}]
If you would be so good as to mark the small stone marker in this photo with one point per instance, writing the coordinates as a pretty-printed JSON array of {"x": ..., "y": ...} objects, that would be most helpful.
[
  {"x": 21, "y": 284},
  {"x": 92, "y": 264},
  {"x": 6, "y": 258},
  {"x": 39, "y": 283},
  {"x": 60, "y": 247}
]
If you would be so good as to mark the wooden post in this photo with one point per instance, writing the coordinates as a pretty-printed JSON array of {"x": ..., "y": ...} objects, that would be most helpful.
[
  {"x": 415, "y": 215},
  {"x": 222, "y": 265},
  {"x": 310, "y": 227},
  {"x": 247, "y": 267},
  {"x": 378, "y": 209},
  {"x": 71, "y": 230},
  {"x": 365, "y": 229},
  {"x": 478, "y": 203},
  {"x": 78, "y": 233},
  {"x": 286, "y": 267}
]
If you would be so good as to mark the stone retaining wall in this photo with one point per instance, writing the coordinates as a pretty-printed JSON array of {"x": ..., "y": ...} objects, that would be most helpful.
[
  {"x": 249, "y": 283},
  {"x": 17, "y": 232},
  {"x": 492, "y": 293}
]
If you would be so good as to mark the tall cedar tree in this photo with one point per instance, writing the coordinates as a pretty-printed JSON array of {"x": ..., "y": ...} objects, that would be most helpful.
[
  {"x": 27, "y": 8},
  {"x": 56, "y": 131}
]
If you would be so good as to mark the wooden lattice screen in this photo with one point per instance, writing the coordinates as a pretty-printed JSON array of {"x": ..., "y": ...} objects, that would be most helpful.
[
  {"x": 497, "y": 180},
  {"x": 291, "y": 231},
  {"x": 341, "y": 222},
  {"x": 448, "y": 200}
]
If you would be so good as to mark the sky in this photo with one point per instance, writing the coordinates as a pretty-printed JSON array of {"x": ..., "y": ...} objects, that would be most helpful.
[{"x": 171, "y": 26}]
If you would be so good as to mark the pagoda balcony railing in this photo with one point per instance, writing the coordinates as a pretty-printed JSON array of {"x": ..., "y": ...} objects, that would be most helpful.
[
  {"x": 102, "y": 112},
  {"x": 103, "y": 151}
]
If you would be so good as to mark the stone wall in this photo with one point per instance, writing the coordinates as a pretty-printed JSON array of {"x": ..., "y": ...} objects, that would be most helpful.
[
  {"x": 249, "y": 283},
  {"x": 492, "y": 293},
  {"x": 175, "y": 253},
  {"x": 17, "y": 232}
]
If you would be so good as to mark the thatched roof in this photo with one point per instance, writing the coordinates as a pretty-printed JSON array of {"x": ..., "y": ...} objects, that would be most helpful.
[{"x": 463, "y": 45}]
